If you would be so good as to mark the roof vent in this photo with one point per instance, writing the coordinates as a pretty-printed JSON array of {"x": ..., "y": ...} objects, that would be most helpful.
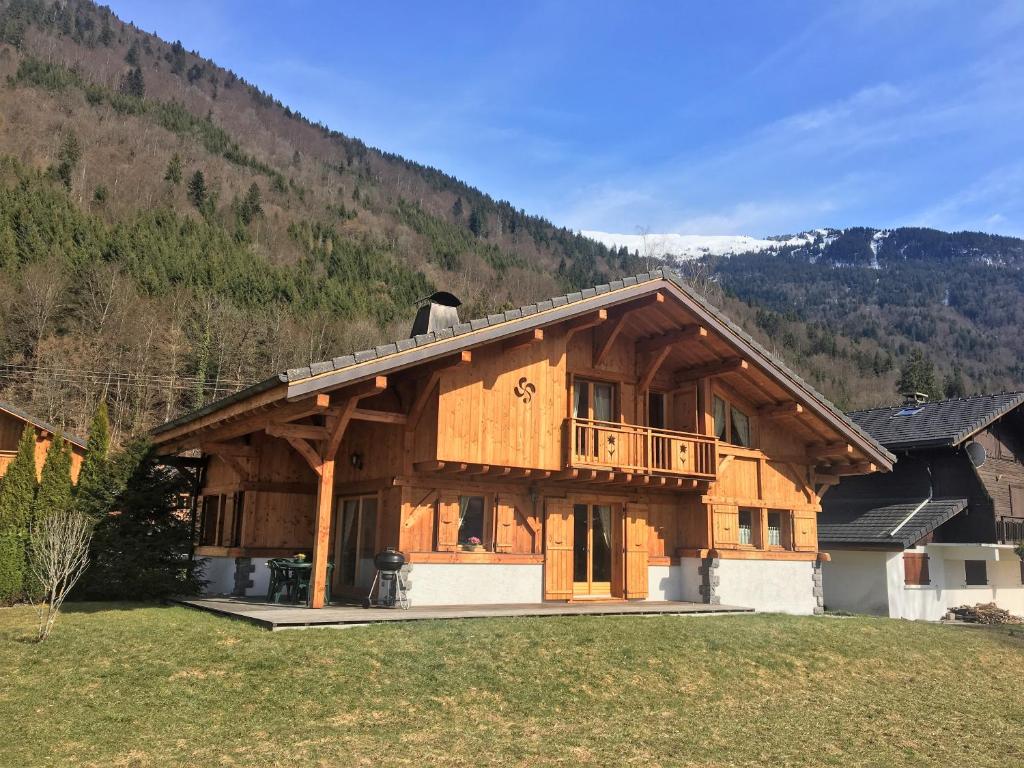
[
  {"x": 440, "y": 311},
  {"x": 914, "y": 398}
]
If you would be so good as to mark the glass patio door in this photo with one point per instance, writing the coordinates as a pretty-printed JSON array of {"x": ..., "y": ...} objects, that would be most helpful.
[
  {"x": 355, "y": 537},
  {"x": 592, "y": 549},
  {"x": 595, "y": 401}
]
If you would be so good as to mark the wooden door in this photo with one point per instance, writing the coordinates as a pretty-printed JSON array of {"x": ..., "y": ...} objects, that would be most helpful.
[
  {"x": 635, "y": 552},
  {"x": 557, "y": 549},
  {"x": 593, "y": 530},
  {"x": 355, "y": 544}
]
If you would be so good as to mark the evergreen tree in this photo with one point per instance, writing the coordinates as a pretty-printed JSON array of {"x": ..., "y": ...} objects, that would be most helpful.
[
  {"x": 67, "y": 158},
  {"x": 133, "y": 83},
  {"x": 476, "y": 222},
  {"x": 917, "y": 375},
  {"x": 54, "y": 493},
  {"x": 197, "y": 190},
  {"x": 132, "y": 57},
  {"x": 173, "y": 173},
  {"x": 91, "y": 491},
  {"x": 252, "y": 206},
  {"x": 457, "y": 208},
  {"x": 953, "y": 384},
  {"x": 17, "y": 496},
  {"x": 142, "y": 551}
]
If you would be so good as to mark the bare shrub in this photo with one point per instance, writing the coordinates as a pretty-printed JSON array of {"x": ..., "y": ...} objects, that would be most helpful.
[{"x": 58, "y": 555}]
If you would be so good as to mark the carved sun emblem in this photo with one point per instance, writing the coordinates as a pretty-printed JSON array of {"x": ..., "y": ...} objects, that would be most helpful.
[{"x": 524, "y": 390}]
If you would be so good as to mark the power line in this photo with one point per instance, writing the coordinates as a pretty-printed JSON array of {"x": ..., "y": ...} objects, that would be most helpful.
[{"x": 117, "y": 378}]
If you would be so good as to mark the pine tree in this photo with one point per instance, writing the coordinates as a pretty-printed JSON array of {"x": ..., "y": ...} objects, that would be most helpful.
[
  {"x": 17, "y": 496},
  {"x": 67, "y": 158},
  {"x": 457, "y": 208},
  {"x": 953, "y": 384},
  {"x": 142, "y": 551},
  {"x": 917, "y": 375},
  {"x": 133, "y": 83},
  {"x": 197, "y": 190},
  {"x": 173, "y": 173},
  {"x": 92, "y": 492},
  {"x": 54, "y": 493}
]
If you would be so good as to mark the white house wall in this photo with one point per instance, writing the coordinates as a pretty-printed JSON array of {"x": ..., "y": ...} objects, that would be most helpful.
[
  {"x": 855, "y": 581},
  {"x": 778, "y": 586}
]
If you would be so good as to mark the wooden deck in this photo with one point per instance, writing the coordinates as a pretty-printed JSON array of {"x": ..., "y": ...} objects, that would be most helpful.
[{"x": 275, "y": 616}]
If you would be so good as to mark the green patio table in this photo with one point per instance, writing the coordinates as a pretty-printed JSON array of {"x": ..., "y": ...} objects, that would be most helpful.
[{"x": 291, "y": 577}]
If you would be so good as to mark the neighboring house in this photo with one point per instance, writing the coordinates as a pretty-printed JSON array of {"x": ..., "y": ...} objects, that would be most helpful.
[
  {"x": 12, "y": 424},
  {"x": 623, "y": 442},
  {"x": 938, "y": 531}
]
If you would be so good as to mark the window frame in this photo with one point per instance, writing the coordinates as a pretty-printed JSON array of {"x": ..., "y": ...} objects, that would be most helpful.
[
  {"x": 983, "y": 564},
  {"x": 591, "y": 382},
  {"x": 221, "y": 517},
  {"x": 732, "y": 403},
  {"x": 486, "y": 524},
  {"x": 755, "y": 527}
]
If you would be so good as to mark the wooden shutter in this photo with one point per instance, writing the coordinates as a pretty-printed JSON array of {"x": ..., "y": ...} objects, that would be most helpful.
[
  {"x": 447, "y": 522},
  {"x": 726, "y": 525},
  {"x": 505, "y": 526},
  {"x": 635, "y": 549},
  {"x": 915, "y": 568},
  {"x": 557, "y": 549},
  {"x": 805, "y": 531}
]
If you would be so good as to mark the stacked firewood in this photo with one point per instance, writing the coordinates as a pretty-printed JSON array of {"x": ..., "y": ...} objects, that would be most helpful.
[{"x": 985, "y": 613}]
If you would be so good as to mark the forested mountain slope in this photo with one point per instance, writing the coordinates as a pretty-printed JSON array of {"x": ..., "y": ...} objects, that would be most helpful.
[{"x": 169, "y": 233}]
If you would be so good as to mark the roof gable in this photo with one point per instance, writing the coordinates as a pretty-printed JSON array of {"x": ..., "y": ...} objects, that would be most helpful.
[
  {"x": 935, "y": 424},
  {"x": 872, "y": 522},
  {"x": 424, "y": 348},
  {"x": 18, "y": 413}
]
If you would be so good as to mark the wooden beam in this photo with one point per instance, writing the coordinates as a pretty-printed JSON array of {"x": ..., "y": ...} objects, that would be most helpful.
[
  {"x": 315, "y": 405},
  {"x": 604, "y": 342},
  {"x": 732, "y": 365},
  {"x": 303, "y": 431},
  {"x": 583, "y": 322},
  {"x": 429, "y": 466},
  {"x": 523, "y": 340},
  {"x": 384, "y": 417},
  {"x": 243, "y": 471},
  {"x": 780, "y": 410},
  {"x": 454, "y": 466},
  {"x": 653, "y": 366},
  {"x": 308, "y": 452},
  {"x": 228, "y": 449},
  {"x": 838, "y": 450},
  {"x": 372, "y": 386},
  {"x": 337, "y": 423},
  {"x": 686, "y": 333}
]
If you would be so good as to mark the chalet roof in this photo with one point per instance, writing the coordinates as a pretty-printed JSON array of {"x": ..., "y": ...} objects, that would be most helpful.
[
  {"x": 15, "y": 411},
  {"x": 406, "y": 352},
  {"x": 936, "y": 424},
  {"x": 870, "y": 522}
]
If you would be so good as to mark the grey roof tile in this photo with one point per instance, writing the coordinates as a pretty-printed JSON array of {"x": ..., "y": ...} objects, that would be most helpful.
[
  {"x": 386, "y": 349},
  {"x": 587, "y": 293},
  {"x": 344, "y": 361},
  {"x": 462, "y": 328},
  {"x": 404, "y": 344},
  {"x": 294, "y": 374},
  {"x": 513, "y": 314},
  {"x": 479, "y": 323},
  {"x": 324, "y": 367},
  {"x": 935, "y": 424},
  {"x": 366, "y": 354},
  {"x": 495, "y": 319},
  {"x": 871, "y": 521}
]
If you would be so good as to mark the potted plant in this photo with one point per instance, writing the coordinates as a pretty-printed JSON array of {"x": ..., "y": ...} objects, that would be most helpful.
[{"x": 473, "y": 544}]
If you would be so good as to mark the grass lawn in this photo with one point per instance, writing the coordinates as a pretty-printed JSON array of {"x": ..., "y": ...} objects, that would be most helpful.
[{"x": 151, "y": 685}]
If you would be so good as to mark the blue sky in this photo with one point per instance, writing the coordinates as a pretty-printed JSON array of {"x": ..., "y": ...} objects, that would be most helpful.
[{"x": 751, "y": 118}]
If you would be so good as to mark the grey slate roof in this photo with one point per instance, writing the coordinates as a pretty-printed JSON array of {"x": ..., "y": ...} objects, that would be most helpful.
[
  {"x": 938, "y": 424},
  {"x": 870, "y": 521},
  {"x": 294, "y": 375},
  {"x": 40, "y": 424}
]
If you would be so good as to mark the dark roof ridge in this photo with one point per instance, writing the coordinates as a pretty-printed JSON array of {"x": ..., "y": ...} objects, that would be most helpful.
[{"x": 963, "y": 398}]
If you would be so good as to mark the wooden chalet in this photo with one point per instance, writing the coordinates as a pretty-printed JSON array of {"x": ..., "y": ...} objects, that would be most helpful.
[
  {"x": 13, "y": 421},
  {"x": 940, "y": 530},
  {"x": 623, "y": 442}
]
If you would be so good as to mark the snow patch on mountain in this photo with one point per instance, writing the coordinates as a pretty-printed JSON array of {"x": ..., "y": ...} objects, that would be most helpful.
[{"x": 661, "y": 246}]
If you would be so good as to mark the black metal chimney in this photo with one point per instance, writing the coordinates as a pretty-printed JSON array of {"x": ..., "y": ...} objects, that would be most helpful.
[{"x": 440, "y": 311}]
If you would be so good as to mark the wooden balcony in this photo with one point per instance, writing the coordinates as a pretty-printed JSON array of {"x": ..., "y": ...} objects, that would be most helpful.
[
  {"x": 638, "y": 450},
  {"x": 1009, "y": 530}
]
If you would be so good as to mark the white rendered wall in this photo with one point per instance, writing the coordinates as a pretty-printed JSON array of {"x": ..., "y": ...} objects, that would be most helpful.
[
  {"x": 948, "y": 588},
  {"x": 664, "y": 583},
  {"x": 475, "y": 583},
  {"x": 690, "y": 579},
  {"x": 855, "y": 581},
  {"x": 778, "y": 586},
  {"x": 219, "y": 575}
]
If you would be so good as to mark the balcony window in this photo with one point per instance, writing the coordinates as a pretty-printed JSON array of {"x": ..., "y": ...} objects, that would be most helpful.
[
  {"x": 732, "y": 425},
  {"x": 471, "y": 520}
]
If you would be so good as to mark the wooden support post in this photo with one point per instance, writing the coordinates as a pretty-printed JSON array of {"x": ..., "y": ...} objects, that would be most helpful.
[{"x": 322, "y": 534}]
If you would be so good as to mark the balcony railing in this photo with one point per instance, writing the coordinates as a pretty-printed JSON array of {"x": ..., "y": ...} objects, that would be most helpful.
[
  {"x": 1009, "y": 530},
  {"x": 643, "y": 450}
]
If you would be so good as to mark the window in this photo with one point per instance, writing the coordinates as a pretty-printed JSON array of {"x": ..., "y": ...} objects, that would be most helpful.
[
  {"x": 774, "y": 529},
  {"x": 975, "y": 573},
  {"x": 471, "y": 520},
  {"x": 656, "y": 417},
  {"x": 746, "y": 529},
  {"x": 915, "y": 569},
  {"x": 220, "y": 522},
  {"x": 731, "y": 424},
  {"x": 355, "y": 543},
  {"x": 593, "y": 400}
]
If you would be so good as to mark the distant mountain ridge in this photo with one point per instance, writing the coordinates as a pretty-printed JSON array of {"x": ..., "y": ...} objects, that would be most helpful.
[{"x": 853, "y": 246}]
